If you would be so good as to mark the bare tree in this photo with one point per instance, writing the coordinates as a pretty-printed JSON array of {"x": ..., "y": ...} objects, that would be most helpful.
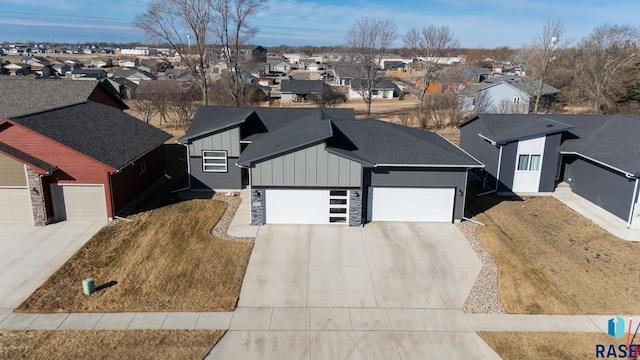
[
  {"x": 603, "y": 59},
  {"x": 367, "y": 41},
  {"x": 543, "y": 50},
  {"x": 426, "y": 45},
  {"x": 145, "y": 109},
  {"x": 173, "y": 22},
  {"x": 232, "y": 30},
  {"x": 328, "y": 98}
]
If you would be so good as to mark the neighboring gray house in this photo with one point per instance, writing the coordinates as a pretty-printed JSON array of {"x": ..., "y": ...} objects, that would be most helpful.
[
  {"x": 382, "y": 89},
  {"x": 596, "y": 155},
  {"x": 512, "y": 95},
  {"x": 322, "y": 166},
  {"x": 302, "y": 90}
]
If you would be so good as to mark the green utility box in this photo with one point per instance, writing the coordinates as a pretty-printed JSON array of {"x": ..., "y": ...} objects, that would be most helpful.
[{"x": 88, "y": 286}]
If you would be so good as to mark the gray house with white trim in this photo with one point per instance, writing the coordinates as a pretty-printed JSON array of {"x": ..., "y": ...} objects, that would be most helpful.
[
  {"x": 596, "y": 155},
  {"x": 322, "y": 166}
]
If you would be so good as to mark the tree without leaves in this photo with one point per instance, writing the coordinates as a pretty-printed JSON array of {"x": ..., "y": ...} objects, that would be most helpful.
[
  {"x": 602, "y": 64},
  {"x": 543, "y": 51},
  {"x": 426, "y": 44},
  {"x": 367, "y": 41},
  {"x": 171, "y": 21},
  {"x": 232, "y": 30}
]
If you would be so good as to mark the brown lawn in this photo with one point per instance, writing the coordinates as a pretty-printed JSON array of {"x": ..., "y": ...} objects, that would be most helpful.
[
  {"x": 549, "y": 345},
  {"x": 164, "y": 260},
  {"x": 552, "y": 260},
  {"x": 104, "y": 344}
]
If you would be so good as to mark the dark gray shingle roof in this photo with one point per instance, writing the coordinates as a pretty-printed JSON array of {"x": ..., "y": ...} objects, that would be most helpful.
[
  {"x": 26, "y": 96},
  {"x": 101, "y": 132},
  {"x": 302, "y": 86},
  {"x": 299, "y": 134},
  {"x": 26, "y": 158},
  {"x": 257, "y": 120},
  {"x": 526, "y": 85},
  {"x": 382, "y": 143}
]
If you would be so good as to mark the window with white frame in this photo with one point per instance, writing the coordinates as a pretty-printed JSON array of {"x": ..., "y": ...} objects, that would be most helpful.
[
  {"x": 528, "y": 162},
  {"x": 214, "y": 161}
]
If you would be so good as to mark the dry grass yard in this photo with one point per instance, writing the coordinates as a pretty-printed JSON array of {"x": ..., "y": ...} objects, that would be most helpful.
[
  {"x": 103, "y": 344},
  {"x": 548, "y": 345},
  {"x": 552, "y": 260},
  {"x": 163, "y": 260}
]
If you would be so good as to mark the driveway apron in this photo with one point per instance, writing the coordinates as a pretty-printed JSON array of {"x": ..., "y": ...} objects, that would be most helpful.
[{"x": 382, "y": 291}]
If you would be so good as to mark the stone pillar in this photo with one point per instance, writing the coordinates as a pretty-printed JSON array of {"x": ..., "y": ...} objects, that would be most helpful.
[
  {"x": 257, "y": 207},
  {"x": 37, "y": 197},
  {"x": 355, "y": 207}
]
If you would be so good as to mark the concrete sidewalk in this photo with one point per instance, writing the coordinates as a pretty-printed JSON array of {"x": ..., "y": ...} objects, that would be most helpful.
[
  {"x": 308, "y": 319},
  {"x": 599, "y": 216}
]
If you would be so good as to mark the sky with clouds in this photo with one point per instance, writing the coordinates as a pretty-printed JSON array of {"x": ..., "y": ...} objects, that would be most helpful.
[{"x": 476, "y": 23}]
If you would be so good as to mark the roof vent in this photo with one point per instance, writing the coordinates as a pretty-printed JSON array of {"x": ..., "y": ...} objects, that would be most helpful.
[{"x": 549, "y": 125}]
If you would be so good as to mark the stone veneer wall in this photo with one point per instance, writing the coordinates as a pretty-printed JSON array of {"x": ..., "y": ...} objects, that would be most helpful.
[
  {"x": 257, "y": 207},
  {"x": 37, "y": 197},
  {"x": 355, "y": 207}
]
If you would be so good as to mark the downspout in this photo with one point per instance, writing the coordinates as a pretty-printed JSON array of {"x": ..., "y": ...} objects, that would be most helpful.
[
  {"x": 188, "y": 187},
  {"x": 113, "y": 205},
  {"x": 497, "y": 175},
  {"x": 633, "y": 204}
]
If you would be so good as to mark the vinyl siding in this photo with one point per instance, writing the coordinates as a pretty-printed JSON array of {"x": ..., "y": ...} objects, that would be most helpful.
[
  {"x": 310, "y": 167},
  {"x": 606, "y": 188},
  {"x": 550, "y": 163},
  {"x": 508, "y": 166},
  {"x": 228, "y": 140},
  {"x": 421, "y": 178},
  {"x": 201, "y": 180},
  {"x": 12, "y": 172}
]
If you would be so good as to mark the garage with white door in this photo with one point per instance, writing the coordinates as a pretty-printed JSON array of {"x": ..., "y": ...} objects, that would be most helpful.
[
  {"x": 79, "y": 202},
  {"x": 410, "y": 204},
  {"x": 15, "y": 206},
  {"x": 298, "y": 206}
]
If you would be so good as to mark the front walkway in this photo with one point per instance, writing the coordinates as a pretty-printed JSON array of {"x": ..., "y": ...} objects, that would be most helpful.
[{"x": 599, "y": 216}]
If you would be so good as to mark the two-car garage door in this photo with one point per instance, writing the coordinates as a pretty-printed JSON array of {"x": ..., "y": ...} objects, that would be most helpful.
[
  {"x": 410, "y": 204},
  {"x": 318, "y": 206}
]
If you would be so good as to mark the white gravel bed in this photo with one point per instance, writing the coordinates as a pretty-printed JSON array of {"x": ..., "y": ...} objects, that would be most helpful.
[{"x": 484, "y": 297}]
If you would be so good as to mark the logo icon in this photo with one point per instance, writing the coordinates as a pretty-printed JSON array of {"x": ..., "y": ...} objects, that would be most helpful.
[{"x": 616, "y": 327}]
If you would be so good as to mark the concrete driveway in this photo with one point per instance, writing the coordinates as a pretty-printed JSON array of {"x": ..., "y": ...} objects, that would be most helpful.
[
  {"x": 384, "y": 291},
  {"x": 385, "y": 265},
  {"x": 30, "y": 254}
]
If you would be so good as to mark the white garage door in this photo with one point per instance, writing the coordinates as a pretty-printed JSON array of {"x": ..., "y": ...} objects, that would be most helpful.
[
  {"x": 79, "y": 202},
  {"x": 306, "y": 206},
  {"x": 15, "y": 206},
  {"x": 410, "y": 204}
]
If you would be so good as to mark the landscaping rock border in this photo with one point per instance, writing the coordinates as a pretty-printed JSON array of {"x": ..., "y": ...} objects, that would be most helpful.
[{"x": 484, "y": 297}]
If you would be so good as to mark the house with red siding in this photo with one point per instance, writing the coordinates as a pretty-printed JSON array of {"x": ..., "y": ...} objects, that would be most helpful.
[{"x": 83, "y": 161}]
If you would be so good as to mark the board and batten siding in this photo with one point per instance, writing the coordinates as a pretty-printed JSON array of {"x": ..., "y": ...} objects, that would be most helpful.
[
  {"x": 310, "y": 167},
  {"x": 228, "y": 140},
  {"x": 550, "y": 160},
  {"x": 607, "y": 188},
  {"x": 422, "y": 178}
]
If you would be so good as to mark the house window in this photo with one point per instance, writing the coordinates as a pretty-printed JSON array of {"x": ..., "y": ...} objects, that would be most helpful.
[
  {"x": 142, "y": 168},
  {"x": 516, "y": 100},
  {"x": 527, "y": 162},
  {"x": 214, "y": 161}
]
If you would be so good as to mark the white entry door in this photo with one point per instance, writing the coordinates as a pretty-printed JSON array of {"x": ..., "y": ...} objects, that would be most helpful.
[
  {"x": 526, "y": 177},
  {"x": 410, "y": 204}
]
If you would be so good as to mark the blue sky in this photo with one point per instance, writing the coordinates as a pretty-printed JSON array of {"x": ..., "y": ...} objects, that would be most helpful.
[{"x": 476, "y": 23}]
